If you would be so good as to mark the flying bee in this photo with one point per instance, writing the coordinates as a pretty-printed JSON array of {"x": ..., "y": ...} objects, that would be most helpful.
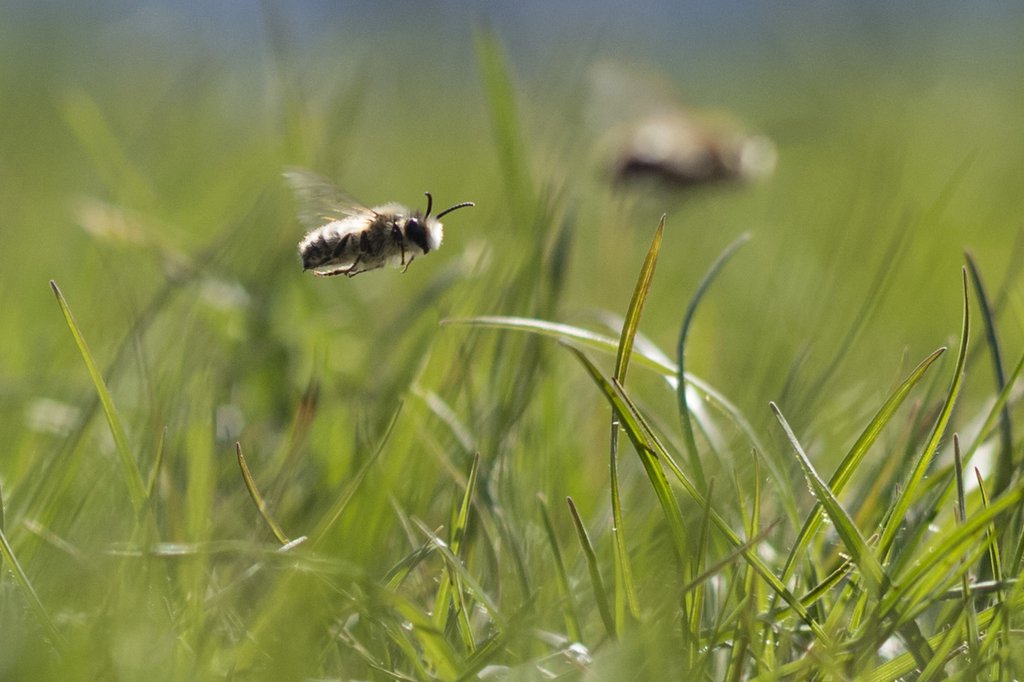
[
  {"x": 676, "y": 149},
  {"x": 646, "y": 134},
  {"x": 346, "y": 238}
]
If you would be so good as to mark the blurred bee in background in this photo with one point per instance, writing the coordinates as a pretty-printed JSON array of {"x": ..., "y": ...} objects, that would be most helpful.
[
  {"x": 647, "y": 134},
  {"x": 346, "y": 238}
]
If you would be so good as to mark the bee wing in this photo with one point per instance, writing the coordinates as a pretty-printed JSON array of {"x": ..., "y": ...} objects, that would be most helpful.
[
  {"x": 619, "y": 94},
  {"x": 319, "y": 200}
]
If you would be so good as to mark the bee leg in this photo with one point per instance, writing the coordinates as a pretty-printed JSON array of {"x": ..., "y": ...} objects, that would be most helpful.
[
  {"x": 330, "y": 273},
  {"x": 407, "y": 264},
  {"x": 351, "y": 271}
]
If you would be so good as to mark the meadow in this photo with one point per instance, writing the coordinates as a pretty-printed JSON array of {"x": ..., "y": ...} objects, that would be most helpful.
[{"x": 756, "y": 431}]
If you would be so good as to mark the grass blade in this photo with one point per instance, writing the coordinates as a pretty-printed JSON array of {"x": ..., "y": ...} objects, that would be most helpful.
[
  {"x": 1004, "y": 460},
  {"x": 7, "y": 553},
  {"x": 636, "y": 305},
  {"x": 600, "y": 593},
  {"x": 129, "y": 467},
  {"x": 586, "y": 338},
  {"x": 691, "y": 310},
  {"x": 970, "y": 617},
  {"x": 158, "y": 461},
  {"x": 336, "y": 510},
  {"x": 651, "y": 463},
  {"x": 257, "y": 498},
  {"x": 458, "y": 533},
  {"x": 644, "y": 441},
  {"x": 572, "y": 620},
  {"x": 847, "y": 530},
  {"x": 500, "y": 94},
  {"x": 855, "y": 456},
  {"x": 909, "y": 492},
  {"x": 624, "y": 588},
  {"x": 949, "y": 545}
]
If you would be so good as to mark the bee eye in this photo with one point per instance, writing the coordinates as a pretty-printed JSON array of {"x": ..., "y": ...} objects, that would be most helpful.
[{"x": 417, "y": 234}]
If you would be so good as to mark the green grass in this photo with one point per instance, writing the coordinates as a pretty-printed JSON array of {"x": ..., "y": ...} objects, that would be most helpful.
[{"x": 216, "y": 467}]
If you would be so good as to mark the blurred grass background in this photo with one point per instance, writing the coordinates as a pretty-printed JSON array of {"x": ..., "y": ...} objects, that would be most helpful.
[{"x": 162, "y": 130}]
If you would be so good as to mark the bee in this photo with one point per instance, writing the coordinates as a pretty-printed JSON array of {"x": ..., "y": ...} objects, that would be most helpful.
[
  {"x": 676, "y": 149},
  {"x": 647, "y": 134},
  {"x": 346, "y": 238}
]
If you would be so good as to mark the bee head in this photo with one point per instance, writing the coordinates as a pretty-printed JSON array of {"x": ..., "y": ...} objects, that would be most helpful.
[
  {"x": 416, "y": 232},
  {"x": 426, "y": 232}
]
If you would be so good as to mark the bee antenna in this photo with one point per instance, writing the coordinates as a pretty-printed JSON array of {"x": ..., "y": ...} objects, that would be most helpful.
[
  {"x": 445, "y": 212},
  {"x": 430, "y": 204}
]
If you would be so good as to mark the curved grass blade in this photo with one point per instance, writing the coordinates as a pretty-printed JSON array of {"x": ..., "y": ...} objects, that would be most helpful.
[
  {"x": 257, "y": 498},
  {"x": 600, "y": 593},
  {"x": 861, "y": 554},
  {"x": 1004, "y": 461},
  {"x": 691, "y": 310},
  {"x": 606, "y": 344},
  {"x": 855, "y": 456},
  {"x": 909, "y": 492},
  {"x": 129, "y": 467}
]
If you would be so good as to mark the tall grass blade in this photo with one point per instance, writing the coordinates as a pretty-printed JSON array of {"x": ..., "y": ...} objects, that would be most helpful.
[
  {"x": 691, "y": 310},
  {"x": 909, "y": 492},
  {"x": 652, "y": 465},
  {"x": 1004, "y": 458},
  {"x": 596, "y": 583},
  {"x": 129, "y": 467},
  {"x": 624, "y": 588},
  {"x": 257, "y": 498}
]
